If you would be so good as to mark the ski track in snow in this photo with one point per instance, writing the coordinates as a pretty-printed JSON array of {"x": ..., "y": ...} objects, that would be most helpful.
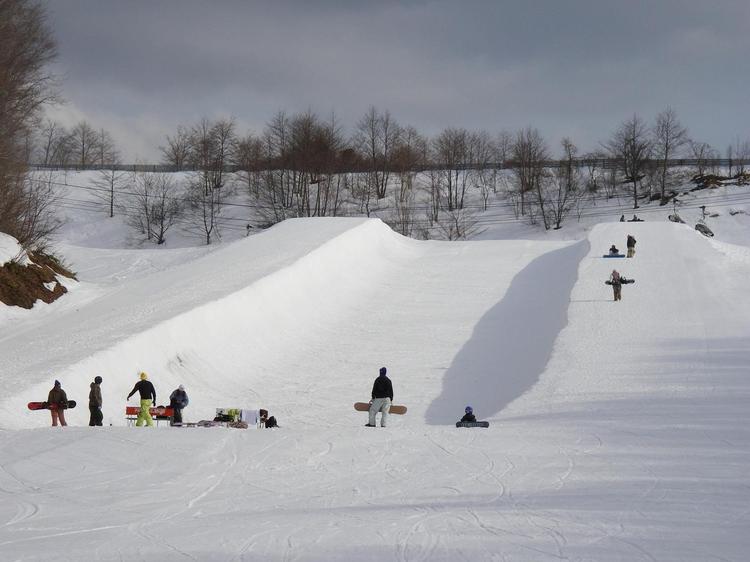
[{"x": 625, "y": 438}]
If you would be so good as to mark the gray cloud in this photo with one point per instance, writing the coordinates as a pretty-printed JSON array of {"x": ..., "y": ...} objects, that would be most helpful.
[{"x": 575, "y": 67}]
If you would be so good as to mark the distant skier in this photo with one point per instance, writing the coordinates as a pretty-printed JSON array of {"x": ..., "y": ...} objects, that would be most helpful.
[
  {"x": 622, "y": 218},
  {"x": 631, "y": 246},
  {"x": 469, "y": 415},
  {"x": 95, "y": 403},
  {"x": 616, "y": 283},
  {"x": 382, "y": 396},
  {"x": 613, "y": 251},
  {"x": 148, "y": 397},
  {"x": 58, "y": 403},
  {"x": 178, "y": 401}
]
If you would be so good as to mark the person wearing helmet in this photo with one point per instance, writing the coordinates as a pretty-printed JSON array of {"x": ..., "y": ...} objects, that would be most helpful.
[
  {"x": 469, "y": 415},
  {"x": 382, "y": 396},
  {"x": 95, "y": 403},
  {"x": 177, "y": 401},
  {"x": 148, "y": 397}
]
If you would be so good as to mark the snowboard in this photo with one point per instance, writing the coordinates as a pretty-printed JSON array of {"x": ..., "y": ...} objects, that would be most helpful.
[
  {"x": 46, "y": 406},
  {"x": 613, "y": 256},
  {"x": 473, "y": 424},
  {"x": 365, "y": 407},
  {"x": 623, "y": 281}
]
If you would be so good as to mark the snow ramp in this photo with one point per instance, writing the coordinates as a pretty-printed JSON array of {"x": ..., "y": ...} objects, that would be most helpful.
[{"x": 310, "y": 307}]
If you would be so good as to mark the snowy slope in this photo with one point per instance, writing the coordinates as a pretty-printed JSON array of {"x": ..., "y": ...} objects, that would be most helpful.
[{"x": 619, "y": 431}]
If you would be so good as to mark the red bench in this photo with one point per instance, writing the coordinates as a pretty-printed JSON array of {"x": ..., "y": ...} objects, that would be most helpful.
[{"x": 159, "y": 413}]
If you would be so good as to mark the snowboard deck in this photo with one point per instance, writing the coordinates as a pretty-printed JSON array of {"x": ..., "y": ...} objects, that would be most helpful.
[
  {"x": 395, "y": 408},
  {"x": 47, "y": 406},
  {"x": 473, "y": 424},
  {"x": 613, "y": 256}
]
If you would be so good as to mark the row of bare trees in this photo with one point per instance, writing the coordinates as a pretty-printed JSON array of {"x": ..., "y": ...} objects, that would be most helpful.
[
  {"x": 82, "y": 145},
  {"x": 303, "y": 165}
]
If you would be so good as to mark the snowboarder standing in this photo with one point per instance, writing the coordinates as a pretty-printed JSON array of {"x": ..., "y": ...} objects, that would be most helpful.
[
  {"x": 57, "y": 402},
  {"x": 631, "y": 246},
  {"x": 469, "y": 415},
  {"x": 382, "y": 396},
  {"x": 177, "y": 401},
  {"x": 95, "y": 403},
  {"x": 148, "y": 397},
  {"x": 616, "y": 283}
]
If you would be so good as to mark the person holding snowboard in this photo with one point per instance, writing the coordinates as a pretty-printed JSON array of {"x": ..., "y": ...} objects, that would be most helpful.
[
  {"x": 469, "y": 415},
  {"x": 95, "y": 403},
  {"x": 177, "y": 401},
  {"x": 382, "y": 396},
  {"x": 631, "y": 246},
  {"x": 616, "y": 282},
  {"x": 57, "y": 402},
  {"x": 148, "y": 397}
]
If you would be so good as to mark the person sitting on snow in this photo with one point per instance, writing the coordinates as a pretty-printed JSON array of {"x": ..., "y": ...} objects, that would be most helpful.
[
  {"x": 469, "y": 415},
  {"x": 613, "y": 251}
]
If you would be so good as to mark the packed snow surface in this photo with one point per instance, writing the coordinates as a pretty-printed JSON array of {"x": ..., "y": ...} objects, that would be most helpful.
[
  {"x": 9, "y": 249},
  {"x": 618, "y": 430}
]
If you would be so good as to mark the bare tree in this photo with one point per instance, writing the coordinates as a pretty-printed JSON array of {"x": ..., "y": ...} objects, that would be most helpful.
[
  {"x": 451, "y": 156},
  {"x": 177, "y": 151},
  {"x": 26, "y": 49},
  {"x": 109, "y": 182},
  {"x": 106, "y": 151},
  {"x": 84, "y": 140},
  {"x": 529, "y": 155},
  {"x": 630, "y": 145},
  {"x": 669, "y": 136},
  {"x": 563, "y": 186},
  {"x": 249, "y": 158},
  {"x": 376, "y": 137},
  {"x": 166, "y": 208},
  {"x": 702, "y": 153}
]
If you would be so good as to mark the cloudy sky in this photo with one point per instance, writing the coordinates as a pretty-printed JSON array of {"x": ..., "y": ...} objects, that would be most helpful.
[{"x": 140, "y": 68}]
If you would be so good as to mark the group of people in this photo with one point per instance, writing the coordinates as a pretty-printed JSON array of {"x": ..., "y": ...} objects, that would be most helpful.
[
  {"x": 615, "y": 279},
  {"x": 57, "y": 402}
]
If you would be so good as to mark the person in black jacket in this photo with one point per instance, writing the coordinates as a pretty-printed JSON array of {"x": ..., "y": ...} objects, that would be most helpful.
[
  {"x": 631, "y": 246},
  {"x": 148, "y": 397},
  {"x": 469, "y": 415},
  {"x": 95, "y": 403},
  {"x": 382, "y": 396},
  {"x": 178, "y": 400}
]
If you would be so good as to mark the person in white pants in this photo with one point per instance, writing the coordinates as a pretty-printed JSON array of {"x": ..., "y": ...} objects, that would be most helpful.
[{"x": 382, "y": 396}]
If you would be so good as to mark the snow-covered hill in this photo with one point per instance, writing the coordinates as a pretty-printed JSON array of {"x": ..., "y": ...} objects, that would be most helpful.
[{"x": 619, "y": 431}]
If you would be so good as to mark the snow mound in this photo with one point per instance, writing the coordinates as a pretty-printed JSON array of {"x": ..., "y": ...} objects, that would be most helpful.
[{"x": 11, "y": 250}]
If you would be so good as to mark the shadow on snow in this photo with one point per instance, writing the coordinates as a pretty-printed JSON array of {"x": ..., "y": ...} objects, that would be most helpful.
[{"x": 512, "y": 342}]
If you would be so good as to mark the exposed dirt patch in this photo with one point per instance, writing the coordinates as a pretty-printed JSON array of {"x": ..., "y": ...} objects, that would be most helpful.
[{"x": 22, "y": 285}]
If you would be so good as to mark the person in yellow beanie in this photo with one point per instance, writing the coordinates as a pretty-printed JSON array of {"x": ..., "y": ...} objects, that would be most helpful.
[{"x": 148, "y": 397}]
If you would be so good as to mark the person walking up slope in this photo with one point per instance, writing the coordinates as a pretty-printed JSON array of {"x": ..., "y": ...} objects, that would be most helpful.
[
  {"x": 616, "y": 282},
  {"x": 95, "y": 403},
  {"x": 148, "y": 397},
  {"x": 382, "y": 396}
]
